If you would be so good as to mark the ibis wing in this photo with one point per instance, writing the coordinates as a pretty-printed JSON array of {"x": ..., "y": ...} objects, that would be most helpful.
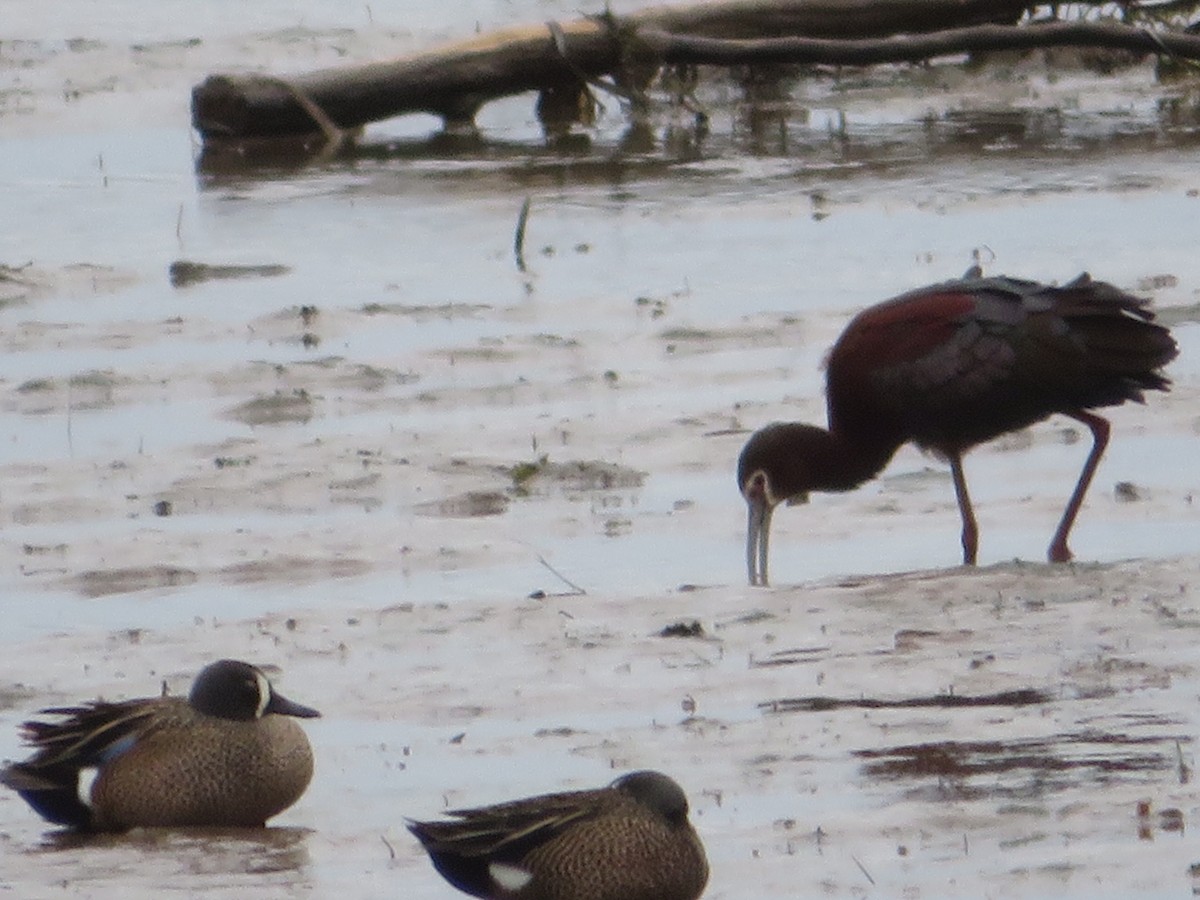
[
  {"x": 914, "y": 363},
  {"x": 960, "y": 363}
]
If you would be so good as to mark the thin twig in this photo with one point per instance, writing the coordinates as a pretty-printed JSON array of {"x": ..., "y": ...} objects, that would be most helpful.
[
  {"x": 386, "y": 843},
  {"x": 862, "y": 868},
  {"x": 336, "y": 137},
  {"x": 519, "y": 238},
  {"x": 1169, "y": 6},
  {"x": 560, "y": 45},
  {"x": 576, "y": 590},
  {"x": 70, "y": 436}
]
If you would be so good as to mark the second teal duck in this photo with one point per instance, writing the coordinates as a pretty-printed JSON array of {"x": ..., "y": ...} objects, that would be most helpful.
[{"x": 629, "y": 841}]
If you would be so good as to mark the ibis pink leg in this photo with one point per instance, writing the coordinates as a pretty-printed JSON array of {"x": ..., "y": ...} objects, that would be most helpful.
[
  {"x": 970, "y": 530},
  {"x": 1059, "y": 552}
]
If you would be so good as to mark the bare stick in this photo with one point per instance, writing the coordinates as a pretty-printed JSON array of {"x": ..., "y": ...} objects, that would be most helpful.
[
  {"x": 70, "y": 436},
  {"x": 519, "y": 238},
  {"x": 576, "y": 590},
  {"x": 335, "y": 137},
  {"x": 862, "y": 868},
  {"x": 684, "y": 49}
]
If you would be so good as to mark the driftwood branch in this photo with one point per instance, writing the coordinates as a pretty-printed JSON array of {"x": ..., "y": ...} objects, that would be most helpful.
[
  {"x": 675, "y": 49},
  {"x": 560, "y": 60}
]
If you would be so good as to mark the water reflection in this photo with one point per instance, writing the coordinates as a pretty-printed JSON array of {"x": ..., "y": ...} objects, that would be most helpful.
[
  {"x": 160, "y": 855},
  {"x": 809, "y": 141}
]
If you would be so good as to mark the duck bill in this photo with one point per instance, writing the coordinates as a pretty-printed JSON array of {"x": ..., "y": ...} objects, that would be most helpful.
[
  {"x": 282, "y": 706},
  {"x": 758, "y": 533}
]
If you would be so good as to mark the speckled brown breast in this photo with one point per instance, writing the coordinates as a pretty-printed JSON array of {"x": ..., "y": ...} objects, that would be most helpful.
[
  {"x": 625, "y": 853},
  {"x": 191, "y": 769}
]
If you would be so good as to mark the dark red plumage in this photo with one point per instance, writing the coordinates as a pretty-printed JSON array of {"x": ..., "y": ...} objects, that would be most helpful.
[{"x": 950, "y": 366}]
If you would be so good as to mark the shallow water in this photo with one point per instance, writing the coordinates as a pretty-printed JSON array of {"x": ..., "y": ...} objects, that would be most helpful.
[{"x": 680, "y": 290}]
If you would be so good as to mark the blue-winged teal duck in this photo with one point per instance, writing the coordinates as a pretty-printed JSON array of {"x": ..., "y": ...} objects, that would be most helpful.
[
  {"x": 228, "y": 755},
  {"x": 629, "y": 841}
]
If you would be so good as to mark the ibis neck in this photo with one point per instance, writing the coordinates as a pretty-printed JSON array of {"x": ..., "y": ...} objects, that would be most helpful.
[
  {"x": 794, "y": 458},
  {"x": 836, "y": 462}
]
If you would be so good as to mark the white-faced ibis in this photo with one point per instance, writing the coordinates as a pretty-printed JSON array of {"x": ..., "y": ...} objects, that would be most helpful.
[{"x": 950, "y": 366}]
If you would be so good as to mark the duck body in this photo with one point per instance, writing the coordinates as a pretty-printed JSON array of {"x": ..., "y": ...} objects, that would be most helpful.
[
  {"x": 629, "y": 841},
  {"x": 230, "y": 755}
]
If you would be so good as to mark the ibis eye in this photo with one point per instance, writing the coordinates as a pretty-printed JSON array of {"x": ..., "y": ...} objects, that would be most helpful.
[{"x": 756, "y": 486}]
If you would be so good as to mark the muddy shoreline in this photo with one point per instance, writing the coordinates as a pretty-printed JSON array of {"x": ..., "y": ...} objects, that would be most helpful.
[{"x": 457, "y": 507}]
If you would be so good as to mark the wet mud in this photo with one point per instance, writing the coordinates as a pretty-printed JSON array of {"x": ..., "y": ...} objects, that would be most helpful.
[
  {"x": 1029, "y": 769},
  {"x": 485, "y": 519}
]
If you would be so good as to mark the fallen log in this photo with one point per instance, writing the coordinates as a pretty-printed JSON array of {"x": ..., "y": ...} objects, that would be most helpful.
[
  {"x": 559, "y": 60},
  {"x": 454, "y": 81}
]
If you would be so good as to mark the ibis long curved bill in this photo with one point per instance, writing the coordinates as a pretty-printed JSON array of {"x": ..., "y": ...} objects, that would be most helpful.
[{"x": 758, "y": 536}]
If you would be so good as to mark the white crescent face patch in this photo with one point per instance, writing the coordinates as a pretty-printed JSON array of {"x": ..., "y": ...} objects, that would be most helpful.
[
  {"x": 264, "y": 693},
  {"x": 509, "y": 877}
]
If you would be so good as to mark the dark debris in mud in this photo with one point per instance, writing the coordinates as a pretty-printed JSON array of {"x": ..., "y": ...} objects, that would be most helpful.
[
  {"x": 15, "y": 284},
  {"x": 683, "y": 629},
  {"x": 468, "y": 505},
  {"x": 419, "y": 311},
  {"x": 103, "y": 582},
  {"x": 790, "y": 657},
  {"x": 579, "y": 475},
  {"x": 15, "y": 696},
  {"x": 185, "y": 273},
  {"x": 280, "y": 408},
  {"x": 1024, "y": 768},
  {"x": 1019, "y": 697}
]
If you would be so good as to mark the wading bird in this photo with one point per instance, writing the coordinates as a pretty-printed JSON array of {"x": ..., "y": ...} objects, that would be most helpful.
[{"x": 954, "y": 365}]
